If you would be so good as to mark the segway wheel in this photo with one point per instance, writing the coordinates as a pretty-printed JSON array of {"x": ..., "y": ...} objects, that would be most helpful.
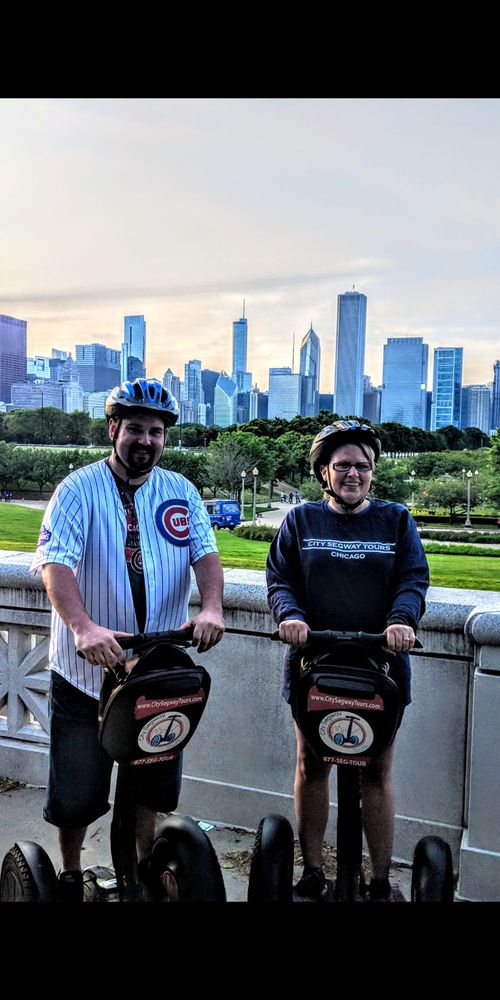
[
  {"x": 432, "y": 873},
  {"x": 185, "y": 864},
  {"x": 28, "y": 875},
  {"x": 271, "y": 869}
]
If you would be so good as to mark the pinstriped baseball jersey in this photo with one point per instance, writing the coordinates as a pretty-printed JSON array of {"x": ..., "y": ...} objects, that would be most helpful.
[{"x": 84, "y": 527}]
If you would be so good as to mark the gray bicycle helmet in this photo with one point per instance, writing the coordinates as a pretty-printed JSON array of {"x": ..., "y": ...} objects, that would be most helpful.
[
  {"x": 339, "y": 433},
  {"x": 334, "y": 436},
  {"x": 143, "y": 394}
]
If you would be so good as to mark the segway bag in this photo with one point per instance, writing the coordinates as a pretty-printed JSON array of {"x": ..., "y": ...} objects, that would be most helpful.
[
  {"x": 150, "y": 714},
  {"x": 346, "y": 706}
]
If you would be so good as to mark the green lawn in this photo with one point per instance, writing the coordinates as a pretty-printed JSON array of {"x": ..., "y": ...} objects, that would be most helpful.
[{"x": 19, "y": 527}]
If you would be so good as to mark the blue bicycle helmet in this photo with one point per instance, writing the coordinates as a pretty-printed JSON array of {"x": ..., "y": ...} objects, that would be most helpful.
[{"x": 143, "y": 394}]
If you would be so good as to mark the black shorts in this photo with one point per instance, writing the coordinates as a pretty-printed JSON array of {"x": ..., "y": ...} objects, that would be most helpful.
[{"x": 80, "y": 770}]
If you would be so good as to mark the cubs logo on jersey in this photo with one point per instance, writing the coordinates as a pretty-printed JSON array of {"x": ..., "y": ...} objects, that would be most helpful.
[{"x": 172, "y": 521}]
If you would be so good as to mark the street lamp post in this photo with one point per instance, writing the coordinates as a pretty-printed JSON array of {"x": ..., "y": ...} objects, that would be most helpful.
[
  {"x": 413, "y": 474},
  {"x": 255, "y": 473},
  {"x": 243, "y": 474},
  {"x": 469, "y": 476}
]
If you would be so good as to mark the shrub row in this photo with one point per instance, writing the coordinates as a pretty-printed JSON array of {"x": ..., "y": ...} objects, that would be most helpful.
[
  {"x": 471, "y": 537},
  {"x": 256, "y": 532}
]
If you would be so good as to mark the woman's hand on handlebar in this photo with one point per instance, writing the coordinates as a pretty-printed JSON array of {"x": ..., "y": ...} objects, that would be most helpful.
[
  {"x": 400, "y": 638},
  {"x": 294, "y": 631}
]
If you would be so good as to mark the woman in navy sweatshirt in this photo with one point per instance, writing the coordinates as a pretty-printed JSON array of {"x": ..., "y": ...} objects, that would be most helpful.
[{"x": 347, "y": 562}]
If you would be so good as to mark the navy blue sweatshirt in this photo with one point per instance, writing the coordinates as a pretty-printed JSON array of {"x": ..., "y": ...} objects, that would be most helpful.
[{"x": 349, "y": 571}]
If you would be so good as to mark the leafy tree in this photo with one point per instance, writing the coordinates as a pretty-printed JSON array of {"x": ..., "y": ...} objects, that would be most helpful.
[
  {"x": 230, "y": 455},
  {"x": 449, "y": 493},
  {"x": 44, "y": 466},
  {"x": 455, "y": 440},
  {"x": 78, "y": 427},
  {"x": 390, "y": 482},
  {"x": 99, "y": 431},
  {"x": 475, "y": 438},
  {"x": 23, "y": 425},
  {"x": 189, "y": 464},
  {"x": 6, "y": 464}
]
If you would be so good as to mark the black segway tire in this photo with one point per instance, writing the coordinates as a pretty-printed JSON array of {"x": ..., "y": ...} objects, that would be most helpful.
[
  {"x": 432, "y": 873},
  {"x": 271, "y": 869},
  {"x": 28, "y": 875},
  {"x": 185, "y": 864}
]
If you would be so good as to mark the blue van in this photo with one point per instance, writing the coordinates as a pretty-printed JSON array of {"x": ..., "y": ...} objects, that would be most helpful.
[{"x": 223, "y": 513}]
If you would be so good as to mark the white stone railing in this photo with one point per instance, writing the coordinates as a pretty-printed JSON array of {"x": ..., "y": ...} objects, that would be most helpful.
[{"x": 240, "y": 765}]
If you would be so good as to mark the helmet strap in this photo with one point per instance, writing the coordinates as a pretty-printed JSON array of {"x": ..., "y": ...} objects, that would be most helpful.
[
  {"x": 130, "y": 472},
  {"x": 338, "y": 499}
]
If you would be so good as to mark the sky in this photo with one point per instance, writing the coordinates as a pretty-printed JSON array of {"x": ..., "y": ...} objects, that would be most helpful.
[{"x": 180, "y": 209}]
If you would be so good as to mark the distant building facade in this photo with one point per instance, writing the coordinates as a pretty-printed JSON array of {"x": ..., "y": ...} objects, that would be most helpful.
[
  {"x": 404, "y": 388},
  {"x": 133, "y": 353},
  {"x": 350, "y": 353},
  {"x": 447, "y": 387},
  {"x": 13, "y": 337}
]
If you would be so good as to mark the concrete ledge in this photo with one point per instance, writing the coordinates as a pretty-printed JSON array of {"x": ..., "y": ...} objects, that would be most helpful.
[{"x": 479, "y": 879}]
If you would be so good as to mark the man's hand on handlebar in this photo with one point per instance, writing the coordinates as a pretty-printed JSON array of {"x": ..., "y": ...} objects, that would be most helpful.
[
  {"x": 98, "y": 645},
  {"x": 294, "y": 631},
  {"x": 208, "y": 629},
  {"x": 400, "y": 638}
]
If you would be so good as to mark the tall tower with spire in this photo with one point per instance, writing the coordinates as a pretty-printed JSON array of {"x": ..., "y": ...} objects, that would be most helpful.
[{"x": 310, "y": 357}]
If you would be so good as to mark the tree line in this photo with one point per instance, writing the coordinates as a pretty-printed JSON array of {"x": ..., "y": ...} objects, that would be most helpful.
[
  {"x": 215, "y": 458},
  {"x": 51, "y": 426}
]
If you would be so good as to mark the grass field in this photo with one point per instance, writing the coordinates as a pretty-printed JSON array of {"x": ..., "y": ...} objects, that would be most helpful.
[{"x": 19, "y": 527}]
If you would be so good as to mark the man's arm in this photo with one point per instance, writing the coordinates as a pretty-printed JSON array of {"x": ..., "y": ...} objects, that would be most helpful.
[
  {"x": 98, "y": 644},
  {"x": 209, "y": 623}
]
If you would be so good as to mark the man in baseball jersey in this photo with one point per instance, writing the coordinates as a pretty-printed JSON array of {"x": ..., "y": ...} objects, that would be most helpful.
[{"x": 116, "y": 545}]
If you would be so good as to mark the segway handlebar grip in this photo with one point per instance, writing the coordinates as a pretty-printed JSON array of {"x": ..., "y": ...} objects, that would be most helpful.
[
  {"x": 366, "y": 638},
  {"x": 177, "y": 637}
]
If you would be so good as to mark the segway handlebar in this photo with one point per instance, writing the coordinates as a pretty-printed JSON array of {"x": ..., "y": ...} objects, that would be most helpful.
[
  {"x": 366, "y": 638},
  {"x": 175, "y": 637}
]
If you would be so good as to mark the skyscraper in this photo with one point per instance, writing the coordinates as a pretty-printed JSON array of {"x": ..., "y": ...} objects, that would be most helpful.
[
  {"x": 225, "y": 401},
  {"x": 310, "y": 355},
  {"x": 240, "y": 375},
  {"x": 209, "y": 380},
  {"x": 12, "y": 354},
  {"x": 98, "y": 367},
  {"x": 350, "y": 353},
  {"x": 193, "y": 389},
  {"x": 284, "y": 393},
  {"x": 447, "y": 387},
  {"x": 371, "y": 401},
  {"x": 476, "y": 407},
  {"x": 404, "y": 388},
  {"x": 495, "y": 397},
  {"x": 133, "y": 360},
  {"x": 172, "y": 383}
]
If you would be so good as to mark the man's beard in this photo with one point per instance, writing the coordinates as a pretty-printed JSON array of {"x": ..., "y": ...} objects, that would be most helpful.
[{"x": 140, "y": 459}]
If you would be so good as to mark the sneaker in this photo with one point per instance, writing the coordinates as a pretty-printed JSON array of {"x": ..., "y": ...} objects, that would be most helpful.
[
  {"x": 312, "y": 886},
  {"x": 70, "y": 885},
  {"x": 380, "y": 890}
]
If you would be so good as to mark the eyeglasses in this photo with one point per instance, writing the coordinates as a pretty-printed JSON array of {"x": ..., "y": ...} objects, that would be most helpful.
[{"x": 345, "y": 466}]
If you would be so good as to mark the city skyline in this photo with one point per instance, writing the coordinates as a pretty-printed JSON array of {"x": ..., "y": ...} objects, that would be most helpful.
[{"x": 398, "y": 197}]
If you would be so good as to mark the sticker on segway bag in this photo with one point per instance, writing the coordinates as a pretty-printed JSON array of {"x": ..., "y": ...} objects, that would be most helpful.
[
  {"x": 172, "y": 521},
  {"x": 346, "y": 733},
  {"x": 164, "y": 732},
  {"x": 317, "y": 700},
  {"x": 151, "y": 706}
]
